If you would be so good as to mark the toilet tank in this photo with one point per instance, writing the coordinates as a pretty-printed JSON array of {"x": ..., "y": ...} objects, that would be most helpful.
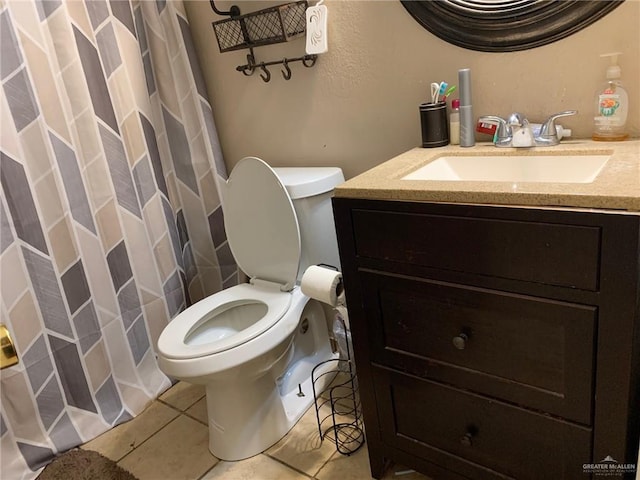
[{"x": 311, "y": 189}]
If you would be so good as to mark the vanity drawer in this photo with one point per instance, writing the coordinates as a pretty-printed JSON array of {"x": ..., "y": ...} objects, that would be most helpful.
[
  {"x": 475, "y": 436},
  {"x": 527, "y": 350},
  {"x": 548, "y": 253}
]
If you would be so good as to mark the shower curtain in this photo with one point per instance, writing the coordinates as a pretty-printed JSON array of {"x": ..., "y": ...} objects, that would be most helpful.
[{"x": 110, "y": 217}]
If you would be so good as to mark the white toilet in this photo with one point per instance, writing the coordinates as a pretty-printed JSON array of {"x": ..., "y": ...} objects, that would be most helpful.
[{"x": 254, "y": 345}]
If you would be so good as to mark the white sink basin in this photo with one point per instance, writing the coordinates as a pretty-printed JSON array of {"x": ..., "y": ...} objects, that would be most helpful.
[{"x": 513, "y": 168}]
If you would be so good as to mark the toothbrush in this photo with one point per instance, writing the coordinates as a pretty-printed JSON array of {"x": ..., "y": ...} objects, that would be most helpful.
[
  {"x": 451, "y": 89},
  {"x": 443, "y": 87},
  {"x": 435, "y": 91}
]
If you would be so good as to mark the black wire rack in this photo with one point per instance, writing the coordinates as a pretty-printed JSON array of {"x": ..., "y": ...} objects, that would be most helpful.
[
  {"x": 268, "y": 26},
  {"x": 264, "y": 27},
  {"x": 337, "y": 401}
]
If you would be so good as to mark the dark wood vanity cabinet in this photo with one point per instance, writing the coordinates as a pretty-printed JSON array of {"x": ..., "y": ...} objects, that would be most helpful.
[{"x": 494, "y": 342}]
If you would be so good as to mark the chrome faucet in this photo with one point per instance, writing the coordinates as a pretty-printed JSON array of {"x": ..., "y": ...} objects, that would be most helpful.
[
  {"x": 504, "y": 133},
  {"x": 513, "y": 132},
  {"x": 548, "y": 135},
  {"x": 516, "y": 131},
  {"x": 521, "y": 133}
]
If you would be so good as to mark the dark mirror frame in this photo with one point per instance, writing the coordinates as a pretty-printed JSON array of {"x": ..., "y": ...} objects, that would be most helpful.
[{"x": 509, "y": 25}]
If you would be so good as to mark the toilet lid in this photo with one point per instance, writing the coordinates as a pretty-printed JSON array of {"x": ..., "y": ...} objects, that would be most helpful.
[{"x": 261, "y": 223}]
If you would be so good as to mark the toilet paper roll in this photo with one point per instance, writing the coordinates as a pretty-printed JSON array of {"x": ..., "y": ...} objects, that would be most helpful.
[{"x": 323, "y": 284}]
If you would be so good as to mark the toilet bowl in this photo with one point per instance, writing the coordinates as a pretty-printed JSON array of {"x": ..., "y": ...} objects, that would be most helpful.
[{"x": 253, "y": 345}]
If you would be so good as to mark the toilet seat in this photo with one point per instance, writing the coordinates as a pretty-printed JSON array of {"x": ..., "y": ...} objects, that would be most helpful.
[{"x": 209, "y": 311}]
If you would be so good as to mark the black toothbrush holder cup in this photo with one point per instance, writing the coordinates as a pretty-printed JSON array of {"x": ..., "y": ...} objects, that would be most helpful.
[{"x": 434, "y": 124}]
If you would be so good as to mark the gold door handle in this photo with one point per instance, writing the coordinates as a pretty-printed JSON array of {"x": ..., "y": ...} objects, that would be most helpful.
[{"x": 8, "y": 354}]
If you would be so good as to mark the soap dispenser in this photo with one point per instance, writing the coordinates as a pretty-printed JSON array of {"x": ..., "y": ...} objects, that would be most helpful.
[{"x": 611, "y": 105}]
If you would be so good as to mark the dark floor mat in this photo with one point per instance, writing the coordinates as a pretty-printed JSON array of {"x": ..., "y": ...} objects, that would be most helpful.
[{"x": 81, "y": 464}]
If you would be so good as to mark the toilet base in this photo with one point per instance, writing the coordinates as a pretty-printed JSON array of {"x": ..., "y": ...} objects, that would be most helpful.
[
  {"x": 234, "y": 435},
  {"x": 248, "y": 415}
]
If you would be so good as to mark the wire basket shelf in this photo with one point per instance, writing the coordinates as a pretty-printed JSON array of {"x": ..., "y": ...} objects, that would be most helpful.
[{"x": 264, "y": 27}]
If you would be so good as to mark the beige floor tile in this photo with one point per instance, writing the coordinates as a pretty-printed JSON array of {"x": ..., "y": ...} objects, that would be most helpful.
[
  {"x": 177, "y": 452},
  {"x": 260, "y": 467},
  {"x": 121, "y": 440},
  {"x": 352, "y": 467},
  {"x": 199, "y": 411},
  {"x": 182, "y": 395},
  {"x": 302, "y": 448}
]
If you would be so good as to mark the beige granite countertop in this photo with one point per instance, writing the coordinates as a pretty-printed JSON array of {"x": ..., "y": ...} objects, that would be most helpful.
[{"x": 616, "y": 187}]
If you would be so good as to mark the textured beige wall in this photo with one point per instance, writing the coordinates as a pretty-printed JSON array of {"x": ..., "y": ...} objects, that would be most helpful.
[{"x": 358, "y": 106}]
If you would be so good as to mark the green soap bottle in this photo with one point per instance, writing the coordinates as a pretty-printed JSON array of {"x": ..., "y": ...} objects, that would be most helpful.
[{"x": 611, "y": 105}]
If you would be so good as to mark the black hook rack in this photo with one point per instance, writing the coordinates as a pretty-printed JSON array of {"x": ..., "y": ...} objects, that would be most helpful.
[
  {"x": 234, "y": 11},
  {"x": 277, "y": 24},
  {"x": 251, "y": 66}
]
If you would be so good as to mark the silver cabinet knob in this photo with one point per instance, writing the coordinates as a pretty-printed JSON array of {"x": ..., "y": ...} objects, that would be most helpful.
[
  {"x": 460, "y": 341},
  {"x": 467, "y": 439}
]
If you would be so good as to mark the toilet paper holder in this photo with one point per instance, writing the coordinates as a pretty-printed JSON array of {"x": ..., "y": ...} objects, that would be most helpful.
[
  {"x": 324, "y": 283},
  {"x": 343, "y": 425}
]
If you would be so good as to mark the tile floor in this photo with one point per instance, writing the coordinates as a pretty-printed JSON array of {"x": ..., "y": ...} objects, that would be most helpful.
[{"x": 169, "y": 441}]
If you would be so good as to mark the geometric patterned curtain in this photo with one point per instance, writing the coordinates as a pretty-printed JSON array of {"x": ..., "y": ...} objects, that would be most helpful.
[{"x": 110, "y": 216}]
